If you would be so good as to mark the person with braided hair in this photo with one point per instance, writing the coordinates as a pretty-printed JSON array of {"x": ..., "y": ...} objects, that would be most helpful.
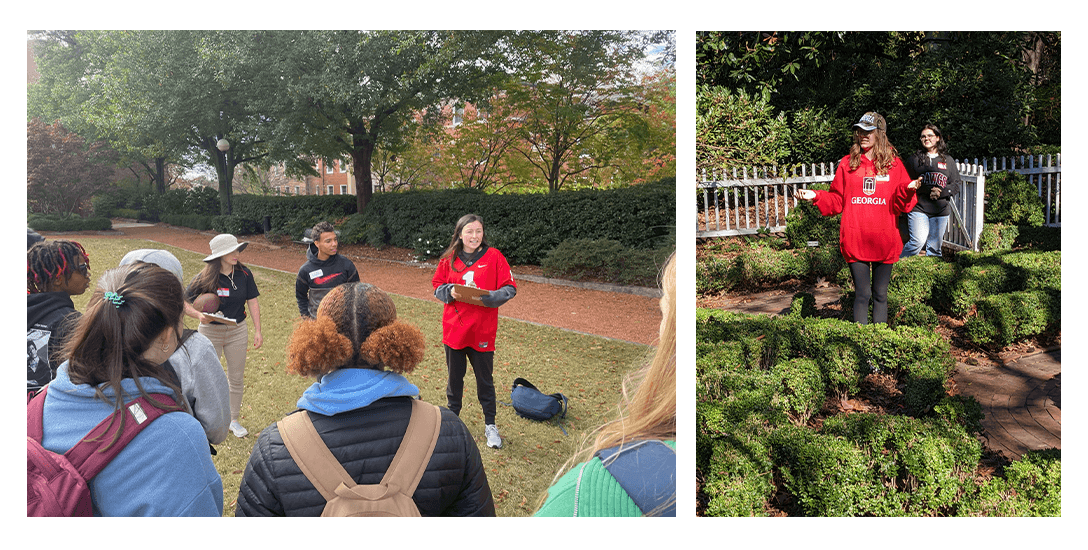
[{"x": 55, "y": 271}]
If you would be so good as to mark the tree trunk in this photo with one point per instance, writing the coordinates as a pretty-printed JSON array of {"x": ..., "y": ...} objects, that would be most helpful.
[
  {"x": 364, "y": 182},
  {"x": 160, "y": 175}
]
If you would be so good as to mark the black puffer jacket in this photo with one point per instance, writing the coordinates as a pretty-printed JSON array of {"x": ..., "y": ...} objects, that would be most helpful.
[{"x": 364, "y": 442}]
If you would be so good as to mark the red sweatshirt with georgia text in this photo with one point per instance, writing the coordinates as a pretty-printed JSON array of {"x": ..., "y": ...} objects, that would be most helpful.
[{"x": 870, "y": 204}]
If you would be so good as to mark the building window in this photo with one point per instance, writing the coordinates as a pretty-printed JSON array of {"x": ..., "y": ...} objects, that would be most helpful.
[
  {"x": 343, "y": 190},
  {"x": 328, "y": 168},
  {"x": 343, "y": 167},
  {"x": 328, "y": 191},
  {"x": 458, "y": 116}
]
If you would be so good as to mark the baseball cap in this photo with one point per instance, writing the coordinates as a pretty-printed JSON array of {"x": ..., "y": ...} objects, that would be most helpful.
[{"x": 872, "y": 121}]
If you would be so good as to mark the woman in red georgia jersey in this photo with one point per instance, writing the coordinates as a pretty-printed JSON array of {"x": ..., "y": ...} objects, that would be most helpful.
[
  {"x": 469, "y": 324},
  {"x": 871, "y": 188}
]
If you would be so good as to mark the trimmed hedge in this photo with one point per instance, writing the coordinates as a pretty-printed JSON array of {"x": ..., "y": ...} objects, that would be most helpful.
[
  {"x": 605, "y": 260},
  {"x": 47, "y": 222},
  {"x": 758, "y": 379}
]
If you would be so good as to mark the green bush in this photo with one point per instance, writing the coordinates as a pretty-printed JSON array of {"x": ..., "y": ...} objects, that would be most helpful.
[
  {"x": 604, "y": 260},
  {"x": 760, "y": 264},
  {"x": 1011, "y": 199},
  {"x": 235, "y": 225},
  {"x": 997, "y": 236},
  {"x": 924, "y": 384},
  {"x": 759, "y": 378},
  {"x": 735, "y": 128},
  {"x": 46, "y": 222},
  {"x": 920, "y": 465},
  {"x": 828, "y": 476},
  {"x": 803, "y": 305},
  {"x": 431, "y": 242},
  {"x": 712, "y": 276},
  {"x": 1002, "y": 319},
  {"x": 1039, "y": 238},
  {"x": 1031, "y": 486},
  {"x": 915, "y": 314},
  {"x": 801, "y": 392},
  {"x": 522, "y": 244},
  {"x": 736, "y": 473},
  {"x": 922, "y": 280},
  {"x": 805, "y": 223},
  {"x": 960, "y": 410}
]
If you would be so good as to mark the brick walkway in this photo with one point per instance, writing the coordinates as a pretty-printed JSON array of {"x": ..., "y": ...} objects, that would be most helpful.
[{"x": 1021, "y": 401}]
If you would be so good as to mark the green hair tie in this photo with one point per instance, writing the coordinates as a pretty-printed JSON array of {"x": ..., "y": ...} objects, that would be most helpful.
[{"x": 115, "y": 298}]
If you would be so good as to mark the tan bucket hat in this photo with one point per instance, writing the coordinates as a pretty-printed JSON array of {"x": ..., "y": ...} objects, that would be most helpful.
[{"x": 224, "y": 244}]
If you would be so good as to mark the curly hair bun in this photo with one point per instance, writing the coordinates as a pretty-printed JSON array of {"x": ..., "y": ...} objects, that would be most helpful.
[
  {"x": 316, "y": 348},
  {"x": 356, "y": 326},
  {"x": 398, "y": 345}
]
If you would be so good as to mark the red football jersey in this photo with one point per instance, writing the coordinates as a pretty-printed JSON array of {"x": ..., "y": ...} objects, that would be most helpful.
[
  {"x": 469, "y": 325},
  {"x": 870, "y": 204}
]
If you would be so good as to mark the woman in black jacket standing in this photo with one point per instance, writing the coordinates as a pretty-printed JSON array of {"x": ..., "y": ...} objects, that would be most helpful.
[{"x": 940, "y": 182}]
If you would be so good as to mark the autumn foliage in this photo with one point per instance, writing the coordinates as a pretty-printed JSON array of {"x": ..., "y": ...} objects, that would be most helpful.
[{"x": 62, "y": 171}]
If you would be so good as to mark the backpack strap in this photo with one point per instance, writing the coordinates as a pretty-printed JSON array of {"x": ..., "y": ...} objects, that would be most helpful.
[
  {"x": 95, "y": 451},
  {"x": 327, "y": 474},
  {"x": 416, "y": 448},
  {"x": 647, "y": 472},
  {"x": 311, "y": 454}
]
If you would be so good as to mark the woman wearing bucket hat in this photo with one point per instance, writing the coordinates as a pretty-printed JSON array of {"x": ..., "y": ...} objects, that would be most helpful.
[
  {"x": 232, "y": 283},
  {"x": 871, "y": 188}
]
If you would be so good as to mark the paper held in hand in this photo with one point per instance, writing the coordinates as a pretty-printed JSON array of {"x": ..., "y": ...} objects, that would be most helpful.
[
  {"x": 470, "y": 295},
  {"x": 219, "y": 318}
]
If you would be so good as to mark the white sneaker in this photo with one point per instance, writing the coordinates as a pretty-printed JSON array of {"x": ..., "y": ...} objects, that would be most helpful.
[
  {"x": 238, "y": 430},
  {"x": 491, "y": 431}
]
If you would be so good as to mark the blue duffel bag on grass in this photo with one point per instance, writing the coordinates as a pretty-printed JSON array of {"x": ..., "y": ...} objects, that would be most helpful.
[{"x": 531, "y": 403}]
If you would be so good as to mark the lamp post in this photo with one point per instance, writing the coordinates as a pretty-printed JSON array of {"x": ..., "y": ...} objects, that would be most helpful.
[{"x": 222, "y": 145}]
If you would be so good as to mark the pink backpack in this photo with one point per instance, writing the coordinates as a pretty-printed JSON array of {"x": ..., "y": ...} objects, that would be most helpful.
[{"x": 56, "y": 485}]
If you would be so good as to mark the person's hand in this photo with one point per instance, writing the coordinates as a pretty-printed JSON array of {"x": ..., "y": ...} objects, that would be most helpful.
[
  {"x": 915, "y": 184},
  {"x": 258, "y": 339},
  {"x": 807, "y": 194},
  {"x": 453, "y": 292},
  {"x": 204, "y": 319},
  {"x": 935, "y": 193}
]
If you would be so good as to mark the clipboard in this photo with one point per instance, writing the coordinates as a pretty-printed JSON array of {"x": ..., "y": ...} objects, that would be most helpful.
[
  {"x": 470, "y": 295},
  {"x": 219, "y": 318}
]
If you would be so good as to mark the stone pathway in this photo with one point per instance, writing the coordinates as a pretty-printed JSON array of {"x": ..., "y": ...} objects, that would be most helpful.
[{"x": 1021, "y": 401}]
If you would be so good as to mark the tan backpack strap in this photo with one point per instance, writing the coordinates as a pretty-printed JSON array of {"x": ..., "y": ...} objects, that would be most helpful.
[
  {"x": 312, "y": 455},
  {"x": 416, "y": 448}
]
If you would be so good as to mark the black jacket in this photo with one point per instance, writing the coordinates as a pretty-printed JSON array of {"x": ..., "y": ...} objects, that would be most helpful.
[
  {"x": 50, "y": 317},
  {"x": 364, "y": 442},
  {"x": 940, "y": 172},
  {"x": 316, "y": 278}
]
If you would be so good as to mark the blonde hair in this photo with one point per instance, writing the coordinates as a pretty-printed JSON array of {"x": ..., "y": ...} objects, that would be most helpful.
[{"x": 649, "y": 411}]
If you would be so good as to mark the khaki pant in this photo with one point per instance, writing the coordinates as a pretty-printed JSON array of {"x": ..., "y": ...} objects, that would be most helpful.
[{"x": 230, "y": 343}]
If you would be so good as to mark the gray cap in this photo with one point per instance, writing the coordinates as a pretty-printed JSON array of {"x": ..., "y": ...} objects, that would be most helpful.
[{"x": 155, "y": 256}]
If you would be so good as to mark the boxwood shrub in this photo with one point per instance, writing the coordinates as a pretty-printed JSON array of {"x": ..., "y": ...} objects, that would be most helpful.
[
  {"x": 47, "y": 222},
  {"x": 762, "y": 378},
  {"x": 1002, "y": 319}
]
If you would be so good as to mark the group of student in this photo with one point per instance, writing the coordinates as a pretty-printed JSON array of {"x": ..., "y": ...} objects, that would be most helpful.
[
  {"x": 130, "y": 343},
  {"x": 873, "y": 189}
]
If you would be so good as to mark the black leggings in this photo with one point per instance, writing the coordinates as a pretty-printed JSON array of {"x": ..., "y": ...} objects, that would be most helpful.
[
  {"x": 483, "y": 365},
  {"x": 877, "y": 290}
]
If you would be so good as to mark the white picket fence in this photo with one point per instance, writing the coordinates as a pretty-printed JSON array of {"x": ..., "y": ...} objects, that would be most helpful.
[
  {"x": 1044, "y": 172},
  {"x": 747, "y": 200}
]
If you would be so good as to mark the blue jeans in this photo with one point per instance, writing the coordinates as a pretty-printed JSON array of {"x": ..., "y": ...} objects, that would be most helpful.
[{"x": 926, "y": 231}]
